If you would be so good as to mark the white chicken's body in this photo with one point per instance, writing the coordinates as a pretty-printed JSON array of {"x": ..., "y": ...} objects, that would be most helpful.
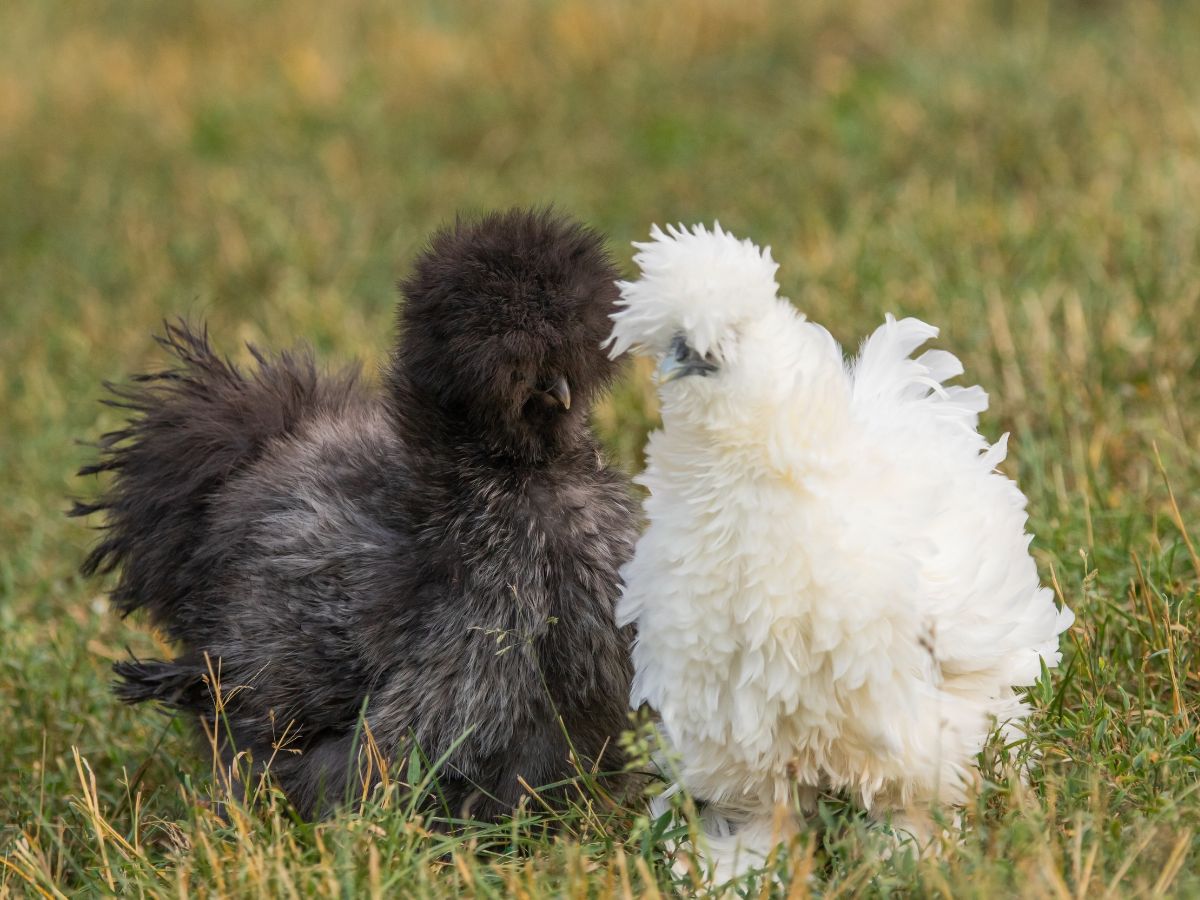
[{"x": 835, "y": 590}]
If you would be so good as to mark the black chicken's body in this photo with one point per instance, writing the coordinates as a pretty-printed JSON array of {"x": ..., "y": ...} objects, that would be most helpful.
[{"x": 442, "y": 554}]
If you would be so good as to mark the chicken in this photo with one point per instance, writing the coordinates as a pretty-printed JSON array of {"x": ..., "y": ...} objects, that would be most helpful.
[
  {"x": 835, "y": 591},
  {"x": 440, "y": 555}
]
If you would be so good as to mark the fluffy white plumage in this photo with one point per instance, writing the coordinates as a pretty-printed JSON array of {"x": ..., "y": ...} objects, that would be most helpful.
[{"x": 835, "y": 590}]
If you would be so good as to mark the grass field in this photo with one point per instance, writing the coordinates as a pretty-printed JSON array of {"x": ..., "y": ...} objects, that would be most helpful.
[{"x": 1025, "y": 175}]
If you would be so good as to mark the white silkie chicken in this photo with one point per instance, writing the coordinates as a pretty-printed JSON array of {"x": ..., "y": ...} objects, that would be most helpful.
[{"x": 835, "y": 591}]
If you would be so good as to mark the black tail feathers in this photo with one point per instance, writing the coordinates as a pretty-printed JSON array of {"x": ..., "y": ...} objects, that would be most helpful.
[
  {"x": 190, "y": 428},
  {"x": 178, "y": 684}
]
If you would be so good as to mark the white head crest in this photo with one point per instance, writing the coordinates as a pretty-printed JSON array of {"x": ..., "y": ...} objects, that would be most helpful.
[{"x": 697, "y": 282}]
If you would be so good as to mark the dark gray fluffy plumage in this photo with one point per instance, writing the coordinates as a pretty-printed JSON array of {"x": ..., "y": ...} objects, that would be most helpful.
[{"x": 333, "y": 547}]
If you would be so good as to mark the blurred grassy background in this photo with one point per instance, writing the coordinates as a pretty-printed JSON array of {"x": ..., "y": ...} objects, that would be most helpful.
[{"x": 1024, "y": 174}]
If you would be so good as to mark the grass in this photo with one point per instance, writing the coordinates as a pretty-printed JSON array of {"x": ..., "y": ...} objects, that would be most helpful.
[{"x": 1023, "y": 174}]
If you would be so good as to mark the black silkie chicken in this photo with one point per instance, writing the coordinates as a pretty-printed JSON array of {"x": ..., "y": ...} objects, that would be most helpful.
[{"x": 442, "y": 554}]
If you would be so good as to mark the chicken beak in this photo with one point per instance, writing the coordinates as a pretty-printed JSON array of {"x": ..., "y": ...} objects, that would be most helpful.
[
  {"x": 561, "y": 392},
  {"x": 671, "y": 368},
  {"x": 681, "y": 360}
]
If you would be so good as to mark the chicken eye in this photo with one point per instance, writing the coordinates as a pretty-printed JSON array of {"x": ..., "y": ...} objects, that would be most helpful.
[{"x": 683, "y": 353}]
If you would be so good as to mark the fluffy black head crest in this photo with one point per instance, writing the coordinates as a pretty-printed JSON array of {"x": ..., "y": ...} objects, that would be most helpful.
[{"x": 500, "y": 332}]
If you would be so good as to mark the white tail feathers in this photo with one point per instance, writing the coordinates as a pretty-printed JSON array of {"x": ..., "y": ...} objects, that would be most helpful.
[{"x": 886, "y": 374}]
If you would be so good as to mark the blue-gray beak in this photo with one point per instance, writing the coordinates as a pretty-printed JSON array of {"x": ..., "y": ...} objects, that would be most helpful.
[
  {"x": 681, "y": 360},
  {"x": 560, "y": 392}
]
